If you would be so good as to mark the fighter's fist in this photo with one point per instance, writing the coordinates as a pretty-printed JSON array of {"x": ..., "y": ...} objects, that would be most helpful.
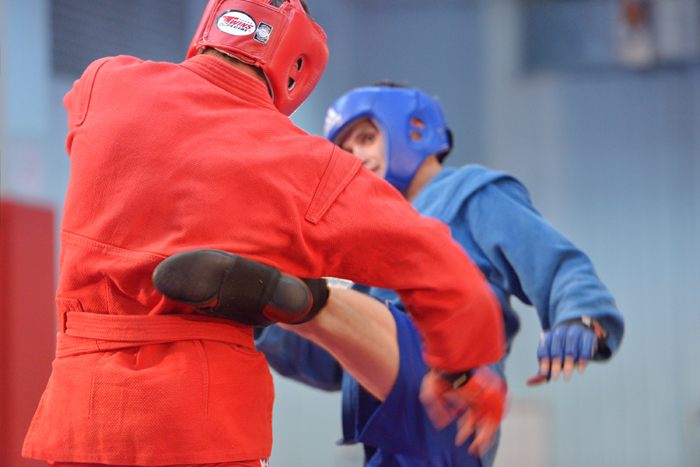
[
  {"x": 230, "y": 286},
  {"x": 477, "y": 400},
  {"x": 570, "y": 344}
]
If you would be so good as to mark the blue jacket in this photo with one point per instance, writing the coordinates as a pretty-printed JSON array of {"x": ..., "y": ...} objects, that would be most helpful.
[{"x": 521, "y": 255}]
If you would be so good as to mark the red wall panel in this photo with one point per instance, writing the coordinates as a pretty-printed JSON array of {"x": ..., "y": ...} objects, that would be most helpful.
[{"x": 27, "y": 321}]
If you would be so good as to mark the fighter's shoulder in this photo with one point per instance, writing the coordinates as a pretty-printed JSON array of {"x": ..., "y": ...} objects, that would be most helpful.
[
  {"x": 479, "y": 173},
  {"x": 471, "y": 184},
  {"x": 459, "y": 184},
  {"x": 340, "y": 168},
  {"x": 305, "y": 146},
  {"x": 107, "y": 65},
  {"x": 78, "y": 99},
  {"x": 480, "y": 177},
  {"x": 110, "y": 63}
]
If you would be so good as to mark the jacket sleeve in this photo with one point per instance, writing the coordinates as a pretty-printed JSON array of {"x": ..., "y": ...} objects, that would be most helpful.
[
  {"x": 294, "y": 357},
  {"x": 539, "y": 265},
  {"x": 371, "y": 235}
]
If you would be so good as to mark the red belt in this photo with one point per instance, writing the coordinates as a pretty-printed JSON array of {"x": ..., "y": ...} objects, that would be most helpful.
[{"x": 83, "y": 332}]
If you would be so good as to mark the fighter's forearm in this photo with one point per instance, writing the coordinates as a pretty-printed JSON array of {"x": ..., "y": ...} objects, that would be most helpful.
[{"x": 360, "y": 332}]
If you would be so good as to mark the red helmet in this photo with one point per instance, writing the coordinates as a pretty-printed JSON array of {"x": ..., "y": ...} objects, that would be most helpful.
[{"x": 284, "y": 42}]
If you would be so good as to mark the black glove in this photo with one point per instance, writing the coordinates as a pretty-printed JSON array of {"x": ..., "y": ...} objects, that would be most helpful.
[{"x": 229, "y": 286}]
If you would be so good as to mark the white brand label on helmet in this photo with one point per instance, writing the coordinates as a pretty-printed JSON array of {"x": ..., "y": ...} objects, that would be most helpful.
[
  {"x": 236, "y": 23},
  {"x": 332, "y": 119}
]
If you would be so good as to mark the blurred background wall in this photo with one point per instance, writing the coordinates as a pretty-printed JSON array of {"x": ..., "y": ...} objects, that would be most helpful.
[{"x": 595, "y": 107}]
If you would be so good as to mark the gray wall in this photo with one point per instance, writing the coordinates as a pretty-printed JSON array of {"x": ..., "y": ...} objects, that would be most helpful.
[{"x": 611, "y": 157}]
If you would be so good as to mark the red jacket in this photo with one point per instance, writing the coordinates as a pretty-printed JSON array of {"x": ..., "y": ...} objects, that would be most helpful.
[{"x": 173, "y": 157}]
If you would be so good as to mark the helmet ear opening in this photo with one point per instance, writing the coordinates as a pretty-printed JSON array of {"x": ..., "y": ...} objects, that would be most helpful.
[
  {"x": 417, "y": 122},
  {"x": 299, "y": 64},
  {"x": 290, "y": 84},
  {"x": 417, "y": 130}
]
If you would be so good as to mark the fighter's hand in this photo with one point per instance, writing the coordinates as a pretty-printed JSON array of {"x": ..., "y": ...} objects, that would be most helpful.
[
  {"x": 570, "y": 344},
  {"x": 478, "y": 404},
  {"x": 229, "y": 286}
]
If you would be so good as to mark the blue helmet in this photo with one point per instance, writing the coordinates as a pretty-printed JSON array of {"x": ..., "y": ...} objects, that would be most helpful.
[{"x": 400, "y": 113}]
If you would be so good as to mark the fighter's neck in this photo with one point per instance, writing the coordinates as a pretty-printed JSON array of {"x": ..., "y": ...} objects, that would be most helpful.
[
  {"x": 246, "y": 68},
  {"x": 426, "y": 172}
]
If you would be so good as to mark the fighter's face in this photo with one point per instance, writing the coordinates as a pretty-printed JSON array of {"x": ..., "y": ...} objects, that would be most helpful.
[{"x": 365, "y": 141}]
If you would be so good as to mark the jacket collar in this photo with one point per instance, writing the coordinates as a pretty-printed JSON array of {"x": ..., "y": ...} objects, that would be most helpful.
[{"x": 230, "y": 79}]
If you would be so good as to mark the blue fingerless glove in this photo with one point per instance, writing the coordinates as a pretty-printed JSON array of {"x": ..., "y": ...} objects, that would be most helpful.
[{"x": 579, "y": 339}]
